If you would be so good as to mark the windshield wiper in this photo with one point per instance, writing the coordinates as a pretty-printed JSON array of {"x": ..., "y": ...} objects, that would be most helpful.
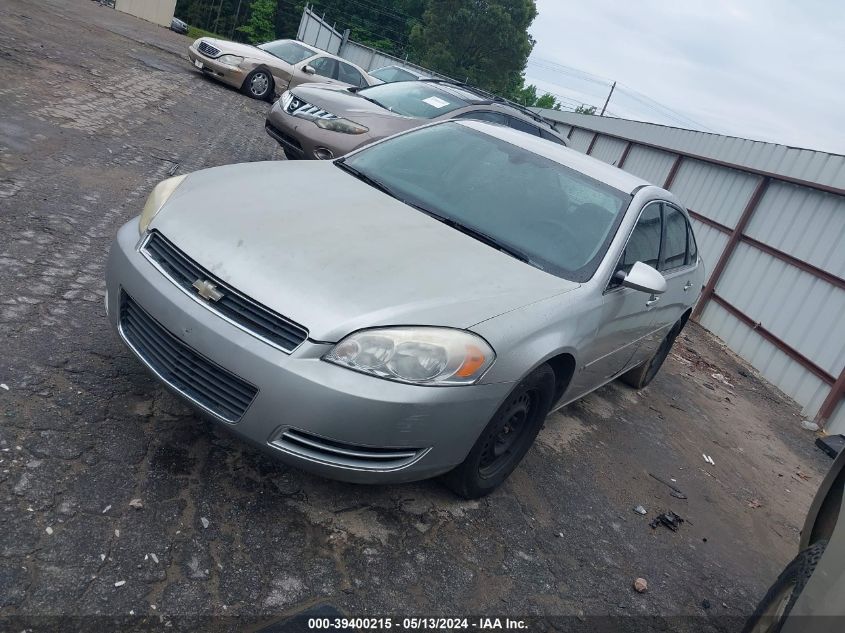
[
  {"x": 371, "y": 100},
  {"x": 481, "y": 236},
  {"x": 376, "y": 184}
]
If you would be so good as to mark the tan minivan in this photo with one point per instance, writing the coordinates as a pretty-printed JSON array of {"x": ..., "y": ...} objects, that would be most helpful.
[{"x": 262, "y": 71}]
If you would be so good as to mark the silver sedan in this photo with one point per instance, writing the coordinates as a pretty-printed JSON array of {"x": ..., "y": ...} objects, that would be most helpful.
[{"x": 413, "y": 309}]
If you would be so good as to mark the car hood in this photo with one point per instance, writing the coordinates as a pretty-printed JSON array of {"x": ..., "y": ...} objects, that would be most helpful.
[
  {"x": 248, "y": 51},
  {"x": 338, "y": 100},
  {"x": 328, "y": 251}
]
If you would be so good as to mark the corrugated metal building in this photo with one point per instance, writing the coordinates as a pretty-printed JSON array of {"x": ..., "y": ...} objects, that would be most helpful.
[
  {"x": 157, "y": 11},
  {"x": 770, "y": 222}
]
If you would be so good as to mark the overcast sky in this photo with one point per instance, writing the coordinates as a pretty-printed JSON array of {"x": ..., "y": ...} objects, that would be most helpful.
[{"x": 765, "y": 69}]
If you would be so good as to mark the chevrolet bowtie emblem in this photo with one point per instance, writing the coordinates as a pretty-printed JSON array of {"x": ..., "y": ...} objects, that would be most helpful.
[{"x": 207, "y": 290}]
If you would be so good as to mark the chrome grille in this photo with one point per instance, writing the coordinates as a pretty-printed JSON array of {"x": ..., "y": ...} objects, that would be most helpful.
[
  {"x": 297, "y": 107},
  {"x": 239, "y": 310},
  {"x": 205, "y": 383},
  {"x": 208, "y": 50},
  {"x": 320, "y": 449}
]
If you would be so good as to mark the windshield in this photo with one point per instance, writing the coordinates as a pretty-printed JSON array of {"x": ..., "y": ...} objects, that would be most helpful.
[
  {"x": 288, "y": 51},
  {"x": 560, "y": 219},
  {"x": 416, "y": 99}
]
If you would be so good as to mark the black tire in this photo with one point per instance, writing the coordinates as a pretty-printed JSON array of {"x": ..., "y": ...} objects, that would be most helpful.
[
  {"x": 773, "y": 610},
  {"x": 259, "y": 85},
  {"x": 643, "y": 374},
  {"x": 506, "y": 438}
]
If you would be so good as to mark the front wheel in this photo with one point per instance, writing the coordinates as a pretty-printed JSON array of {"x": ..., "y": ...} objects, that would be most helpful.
[
  {"x": 259, "y": 84},
  {"x": 506, "y": 438}
]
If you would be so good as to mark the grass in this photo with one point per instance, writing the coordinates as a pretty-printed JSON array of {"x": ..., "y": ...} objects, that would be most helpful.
[{"x": 194, "y": 33}]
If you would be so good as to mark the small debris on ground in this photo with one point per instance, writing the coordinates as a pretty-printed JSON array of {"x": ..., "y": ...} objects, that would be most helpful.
[
  {"x": 136, "y": 503},
  {"x": 49, "y": 530},
  {"x": 640, "y": 510},
  {"x": 106, "y": 509},
  {"x": 205, "y": 522},
  {"x": 117, "y": 533},
  {"x": 755, "y": 503},
  {"x": 668, "y": 519},
  {"x": 155, "y": 558},
  {"x": 705, "y": 604},
  {"x": 4, "y": 386},
  {"x": 120, "y": 583},
  {"x": 708, "y": 459},
  {"x": 641, "y": 585},
  {"x": 676, "y": 492},
  {"x": 809, "y": 425},
  {"x": 804, "y": 476}
]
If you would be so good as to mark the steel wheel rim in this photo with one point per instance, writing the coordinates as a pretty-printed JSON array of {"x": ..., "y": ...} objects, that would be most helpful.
[
  {"x": 507, "y": 437},
  {"x": 258, "y": 84}
]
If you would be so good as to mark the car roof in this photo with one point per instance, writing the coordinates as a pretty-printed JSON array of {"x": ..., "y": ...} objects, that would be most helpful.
[{"x": 592, "y": 167}]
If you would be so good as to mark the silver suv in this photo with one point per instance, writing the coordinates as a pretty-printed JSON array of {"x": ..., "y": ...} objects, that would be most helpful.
[{"x": 414, "y": 309}]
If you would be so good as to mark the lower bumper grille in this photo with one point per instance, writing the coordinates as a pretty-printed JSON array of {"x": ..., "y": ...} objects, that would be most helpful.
[
  {"x": 200, "y": 380},
  {"x": 345, "y": 455},
  {"x": 285, "y": 139}
]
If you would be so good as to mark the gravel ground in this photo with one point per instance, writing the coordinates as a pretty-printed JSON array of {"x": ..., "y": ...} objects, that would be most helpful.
[{"x": 96, "y": 107}]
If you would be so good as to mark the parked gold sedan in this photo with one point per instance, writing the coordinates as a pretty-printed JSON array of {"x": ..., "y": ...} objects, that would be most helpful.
[{"x": 262, "y": 71}]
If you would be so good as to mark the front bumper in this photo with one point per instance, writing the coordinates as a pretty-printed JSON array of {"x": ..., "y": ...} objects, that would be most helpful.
[
  {"x": 229, "y": 75},
  {"x": 303, "y": 138},
  {"x": 309, "y": 413}
]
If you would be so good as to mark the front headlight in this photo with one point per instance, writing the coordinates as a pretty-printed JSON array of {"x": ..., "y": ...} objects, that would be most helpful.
[
  {"x": 155, "y": 201},
  {"x": 344, "y": 126},
  {"x": 230, "y": 60},
  {"x": 419, "y": 355}
]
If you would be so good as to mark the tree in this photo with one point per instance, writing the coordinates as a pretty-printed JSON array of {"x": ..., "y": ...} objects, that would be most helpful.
[
  {"x": 547, "y": 101},
  {"x": 260, "y": 27},
  {"x": 485, "y": 42},
  {"x": 585, "y": 109}
]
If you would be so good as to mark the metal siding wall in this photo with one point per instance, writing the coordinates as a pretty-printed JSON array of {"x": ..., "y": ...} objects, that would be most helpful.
[
  {"x": 608, "y": 149},
  {"x": 836, "y": 424},
  {"x": 711, "y": 242},
  {"x": 799, "y": 308},
  {"x": 776, "y": 366},
  {"x": 804, "y": 311},
  {"x": 649, "y": 164},
  {"x": 807, "y": 224},
  {"x": 807, "y": 164},
  {"x": 715, "y": 192},
  {"x": 580, "y": 139},
  {"x": 315, "y": 31}
]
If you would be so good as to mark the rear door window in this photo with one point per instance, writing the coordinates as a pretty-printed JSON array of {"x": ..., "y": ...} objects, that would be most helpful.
[
  {"x": 674, "y": 239},
  {"x": 348, "y": 74},
  {"x": 325, "y": 67},
  {"x": 692, "y": 249}
]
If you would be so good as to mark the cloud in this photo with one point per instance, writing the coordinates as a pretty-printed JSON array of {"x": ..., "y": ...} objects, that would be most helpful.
[{"x": 767, "y": 69}]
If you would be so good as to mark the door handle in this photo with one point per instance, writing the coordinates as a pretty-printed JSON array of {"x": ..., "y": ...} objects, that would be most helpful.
[
  {"x": 654, "y": 299},
  {"x": 687, "y": 286}
]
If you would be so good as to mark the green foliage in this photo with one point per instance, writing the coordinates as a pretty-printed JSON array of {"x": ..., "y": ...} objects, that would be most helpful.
[
  {"x": 527, "y": 96},
  {"x": 194, "y": 33},
  {"x": 547, "y": 101},
  {"x": 261, "y": 26},
  {"x": 484, "y": 42},
  {"x": 585, "y": 109}
]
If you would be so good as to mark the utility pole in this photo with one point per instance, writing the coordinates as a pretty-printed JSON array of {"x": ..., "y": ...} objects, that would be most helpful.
[{"x": 606, "y": 101}]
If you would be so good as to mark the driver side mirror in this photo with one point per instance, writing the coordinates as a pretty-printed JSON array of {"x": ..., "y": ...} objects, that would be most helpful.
[
  {"x": 642, "y": 277},
  {"x": 308, "y": 69}
]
